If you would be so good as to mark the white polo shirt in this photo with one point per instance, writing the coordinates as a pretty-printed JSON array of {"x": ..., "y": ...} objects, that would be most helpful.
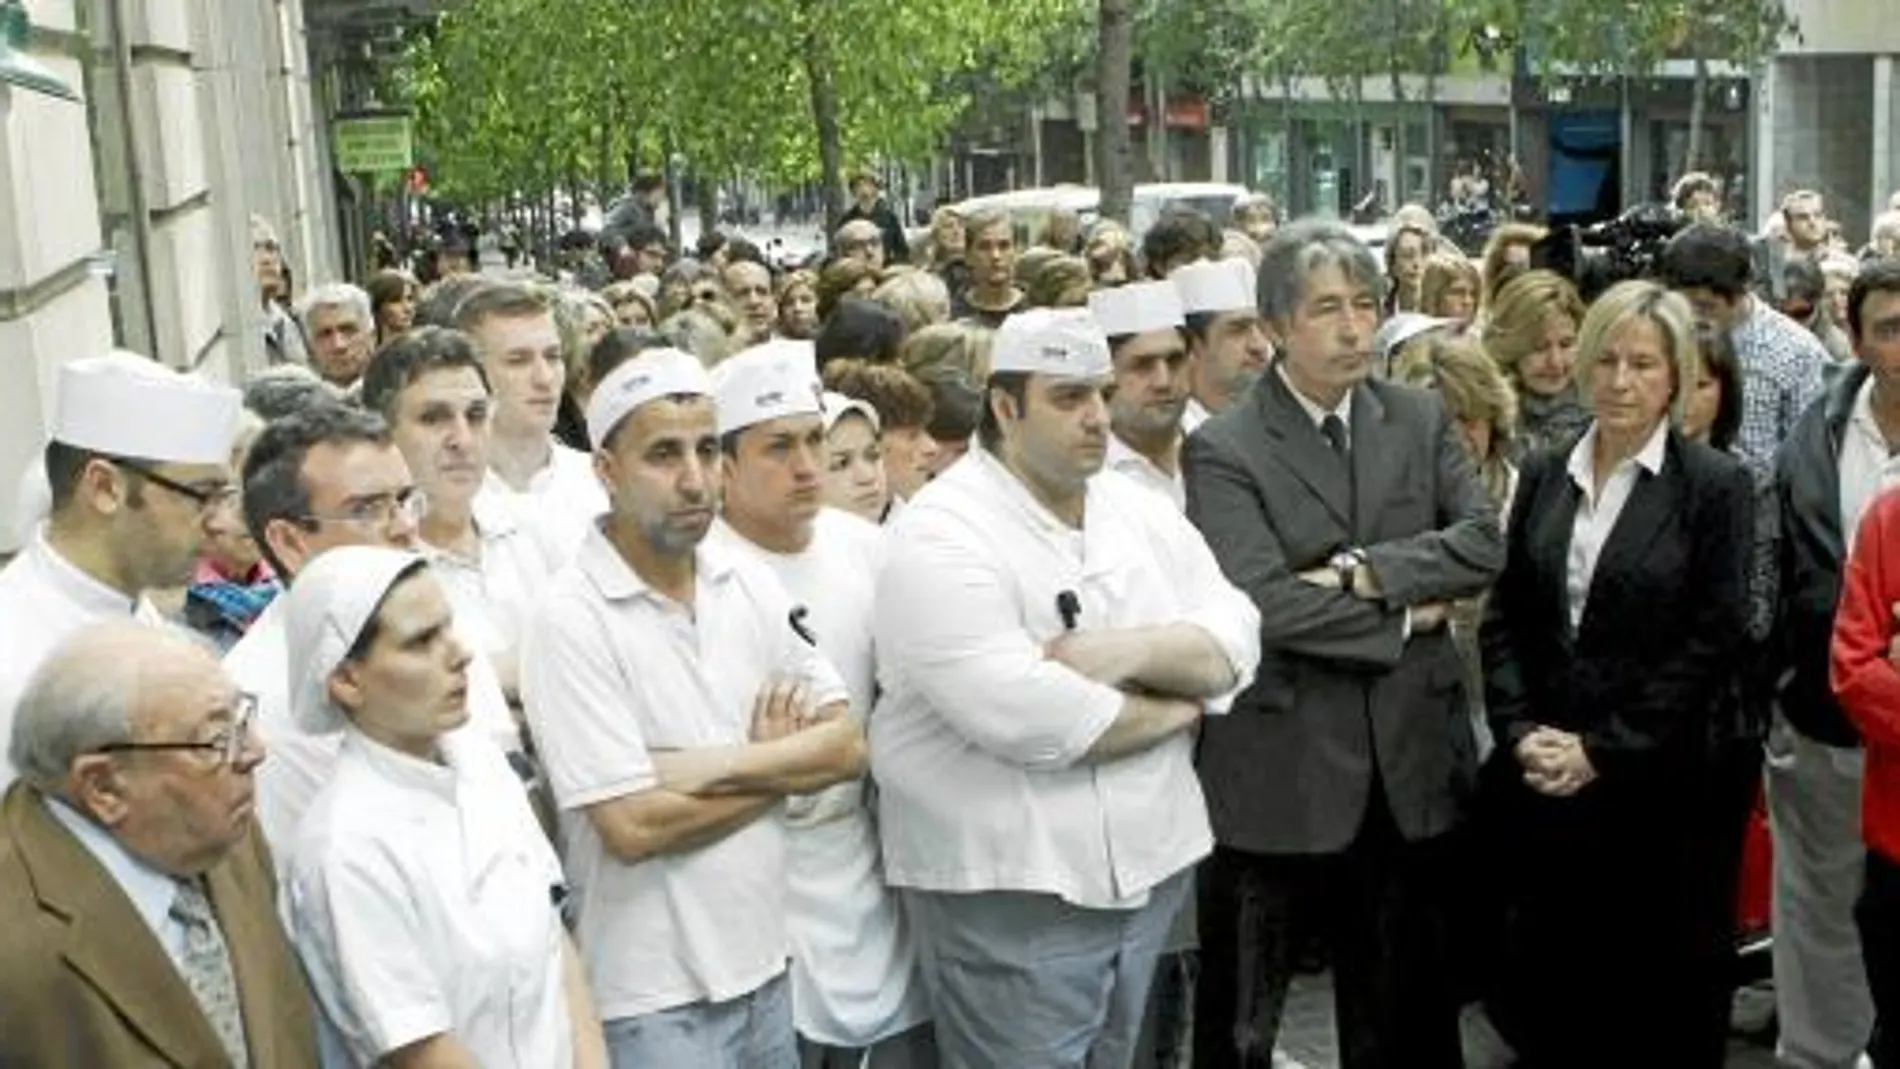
[
  {"x": 423, "y": 899},
  {"x": 1123, "y": 458},
  {"x": 299, "y": 763},
  {"x": 491, "y": 594},
  {"x": 978, "y": 741},
  {"x": 854, "y": 967},
  {"x": 564, "y": 498},
  {"x": 611, "y": 670}
]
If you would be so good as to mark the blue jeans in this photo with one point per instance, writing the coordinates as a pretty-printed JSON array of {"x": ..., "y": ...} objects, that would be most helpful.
[
  {"x": 1028, "y": 981},
  {"x": 753, "y": 1031}
]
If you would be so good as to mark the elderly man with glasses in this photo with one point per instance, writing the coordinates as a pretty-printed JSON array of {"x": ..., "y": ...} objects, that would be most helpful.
[
  {"x": 138, "y": 457},
  {"x": 140, "y": 928}
]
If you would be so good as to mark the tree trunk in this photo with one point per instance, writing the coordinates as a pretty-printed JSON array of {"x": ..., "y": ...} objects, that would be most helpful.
[
  {"x": 707, "y": 197},
  {"x": 824, "y": 113},
  {"x": 1698, "y": 104},
  {"x": 1113, "y": 152}
]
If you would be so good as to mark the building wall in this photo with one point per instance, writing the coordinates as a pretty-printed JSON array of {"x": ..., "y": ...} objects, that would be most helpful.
[
  {"x": 124, "y": 218},
  {"x": 1818, "y": 125}
]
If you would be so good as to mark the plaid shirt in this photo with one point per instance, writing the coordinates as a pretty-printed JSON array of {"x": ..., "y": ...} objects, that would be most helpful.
[{"x": 1782, "y": 364}]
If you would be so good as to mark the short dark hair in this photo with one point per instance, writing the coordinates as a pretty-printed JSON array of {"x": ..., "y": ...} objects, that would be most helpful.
[
  {"x": 273, "y": 470},
  {"x": 441, "y": 299},
  {"x": 1718, "y": 355},
  {"x": 862, "y": 328},
  {"x": 618, "y": 346},
  {"x": 63, "y": 465},
  {"x": 641, "y": 235},
  {"x": 398, "y": 365},
  {"x": 742, "y": 251},
  {"x": 989, "y": 431},
  {"x": 1708, "y": 256},
  {"x": 1879, "y": 276},
  {"x": 1692, "y": 183},
  {"x": 709, "y": 244},
  {"x": 276, "y": 392},
  {"x": 1179, "y": 232},
  {"x": 498, "y": 300}
]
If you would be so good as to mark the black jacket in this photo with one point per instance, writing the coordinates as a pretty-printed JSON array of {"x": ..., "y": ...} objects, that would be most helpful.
[
  {"x": 1813, "y": 547},
  {"x": 896, "y": 247}
]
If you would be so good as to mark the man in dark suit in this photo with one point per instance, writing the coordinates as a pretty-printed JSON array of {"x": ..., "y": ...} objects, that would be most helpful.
[
  {"x": 1348, "y": 509},
  {"x": 868, "y": 204},
  {"x": 139, "y": 928}
]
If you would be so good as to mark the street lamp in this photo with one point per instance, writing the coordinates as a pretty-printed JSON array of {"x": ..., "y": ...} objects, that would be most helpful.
[{"x": 16, "y": 67}]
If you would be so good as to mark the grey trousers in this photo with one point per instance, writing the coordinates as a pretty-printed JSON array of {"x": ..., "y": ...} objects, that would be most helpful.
[
  {"x": 753, "y": 1031},
  {"x": 1821, "y": 998},
  {"x": 1029, "y": 981}
]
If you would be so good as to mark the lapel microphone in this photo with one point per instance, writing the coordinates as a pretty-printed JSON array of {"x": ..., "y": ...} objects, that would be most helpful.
[
  {"x": 797, "y": 619},
  {"x": 1069, "y": 607}
]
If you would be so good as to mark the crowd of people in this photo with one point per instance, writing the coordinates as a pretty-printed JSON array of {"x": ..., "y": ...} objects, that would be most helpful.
[{"x": 993, "y": 653}]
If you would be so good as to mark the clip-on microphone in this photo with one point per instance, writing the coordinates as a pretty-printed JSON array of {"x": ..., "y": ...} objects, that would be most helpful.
[
  {"x": 797, "y": 620},
  {"x": 1069, "y": 607}
]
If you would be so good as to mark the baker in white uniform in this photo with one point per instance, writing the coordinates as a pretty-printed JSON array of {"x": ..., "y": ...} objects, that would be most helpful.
[
  {"x": 856, "y": 996},
  {"x": 431, "y": 388},
  {"x": 422, "y": 897},
  {"x": 676, "y": 707},
  {"x": 139, "y": 456},
  {"x": 1227, "y": 339},
  {"x": 1147, "y": 339},
  {"x": 325, "y": 477},
  {"x": 1048, "y": 636}
]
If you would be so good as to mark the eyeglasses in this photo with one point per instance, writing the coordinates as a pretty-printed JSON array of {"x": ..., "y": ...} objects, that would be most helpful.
[
  {"x": 382, "y": 510},
  {"x": 205, "y": 497},
  {"x": 226, "y": 745}
]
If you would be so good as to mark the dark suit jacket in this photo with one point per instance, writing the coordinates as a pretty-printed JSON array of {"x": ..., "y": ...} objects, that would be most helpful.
[
  {"x": 84, "y": 983},
  {"x": 1340, "y": 689},
  {"x": 1657, "y": 654}
]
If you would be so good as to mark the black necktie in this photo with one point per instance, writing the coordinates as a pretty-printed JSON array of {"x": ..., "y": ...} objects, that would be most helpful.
[{"x": 1334, "y": 429}]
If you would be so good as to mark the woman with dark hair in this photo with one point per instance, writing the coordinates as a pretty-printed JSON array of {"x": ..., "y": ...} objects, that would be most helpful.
[
  {"x": 1405, "y": 267},
  {"x": 860, "y": 328},
  {"x": 392, "y": 303}
]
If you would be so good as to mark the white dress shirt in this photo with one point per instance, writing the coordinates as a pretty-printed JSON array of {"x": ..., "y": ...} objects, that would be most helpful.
[
  {"x": 44, "y": 598},
  {"x": 1123, "y": 458},
  {"x": 854, "y": 968},
  {"x": 978, "y": 743},
  {"x": 1193, "y": 416},
  {"x": 423, "y": 900},
  {"x": 1598, "y": 511},
  {"x": 564, "y": 498},
  {"x": 491, "y": 594},
  {"x": 300, "y": 763},
  {"x": 613, "y": 670},
  {"x": 150, "y": 891},
  {"x": 1867, "y": 465}
]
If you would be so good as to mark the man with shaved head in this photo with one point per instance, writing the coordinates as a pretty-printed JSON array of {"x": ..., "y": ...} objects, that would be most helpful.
[{"x": 140, "y": 927}]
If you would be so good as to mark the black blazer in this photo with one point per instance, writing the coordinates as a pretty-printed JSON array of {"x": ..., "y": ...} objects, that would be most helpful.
[{"x": 1656, "y": 655}]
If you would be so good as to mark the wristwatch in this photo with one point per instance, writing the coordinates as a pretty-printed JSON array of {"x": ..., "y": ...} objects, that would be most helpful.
[{"x": 1345, "y": 564}]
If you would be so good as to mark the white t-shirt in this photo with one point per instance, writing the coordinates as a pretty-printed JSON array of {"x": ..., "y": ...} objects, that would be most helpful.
[
  {"x": 423, "y": 899},
  {"x": 298, "y": 763},
  {"x": 854, "y": 967},
  {"x": 564, "y": 498},
  {"x": 611, "y": 670}
]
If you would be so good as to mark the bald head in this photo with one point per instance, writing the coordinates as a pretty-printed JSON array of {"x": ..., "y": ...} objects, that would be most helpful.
[{"x": 106, "y": 684}]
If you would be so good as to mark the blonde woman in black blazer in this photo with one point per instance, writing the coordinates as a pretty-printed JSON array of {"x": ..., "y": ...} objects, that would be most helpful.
[{"x": 1611, "y": 641}]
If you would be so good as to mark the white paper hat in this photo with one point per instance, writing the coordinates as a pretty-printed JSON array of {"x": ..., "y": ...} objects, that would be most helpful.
[
  {"x": 1137, "y": 308},
  {"x": 1216, "y": 286},
  {"x": 325, "y": 611},
  {"x": 653, "y": 374},
  {"x": 837, "y": 404},
  {"x": 769, "y": 381},
  {"x": 1404, "y": 327},
  {"x": 128, "y": 406},
  {"x": 1066, "y": 342}
]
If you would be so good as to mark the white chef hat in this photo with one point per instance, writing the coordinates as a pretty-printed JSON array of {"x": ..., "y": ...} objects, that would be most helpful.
[
  {"x": 334, "y": 598},
  {"x": 1066, "y": 342},
  {"x": 1215, "y": 286},
  {"x": 769, "y": 381},
  {"x": 838, "y": 404},
  {"x": 651, "y": 375},
  {"x": 126, "y": 405},
  {"x": 1137, "y": 308}
]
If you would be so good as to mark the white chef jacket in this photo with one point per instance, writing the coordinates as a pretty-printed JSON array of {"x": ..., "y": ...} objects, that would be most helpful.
[
  {"x": 491, "y": 594},
  {"x": 1123, "y": 458},
  {"x": 423, "y": 899},
  {"x": 977, "y": 742},
  {"x": 854, "y": 967},
  {"x": 564, "y": 498},
  {"x": 300, "y": 763},
  {"x": 44, "y": 599},
  {"x": 611, "y": 670}
]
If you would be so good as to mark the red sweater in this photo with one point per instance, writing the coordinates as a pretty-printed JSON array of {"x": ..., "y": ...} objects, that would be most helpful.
[{"x": 1864, "y": 680}]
